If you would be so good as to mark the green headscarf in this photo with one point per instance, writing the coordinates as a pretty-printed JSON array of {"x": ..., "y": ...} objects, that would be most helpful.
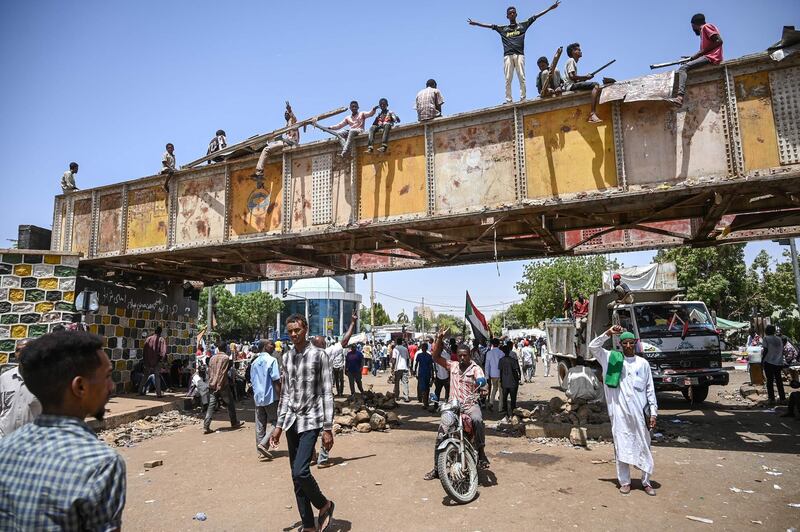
[{"x": 615, "y": 358}]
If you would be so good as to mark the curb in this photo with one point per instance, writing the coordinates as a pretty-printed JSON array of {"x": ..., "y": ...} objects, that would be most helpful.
[{"x": 114, "y": 421}]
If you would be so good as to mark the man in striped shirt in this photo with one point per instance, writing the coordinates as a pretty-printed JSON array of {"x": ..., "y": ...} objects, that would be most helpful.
[
  {"x": 306, "y": 408},
  {"x": 464, "y": 376}
]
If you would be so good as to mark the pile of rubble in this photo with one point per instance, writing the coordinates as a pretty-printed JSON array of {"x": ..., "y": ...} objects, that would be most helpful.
[
  {"x": 575, "y": 421},
  {"x": 754, "y": 395},
  {"x": 365, "y": 413},
  {"x": 144, "y": 429}
]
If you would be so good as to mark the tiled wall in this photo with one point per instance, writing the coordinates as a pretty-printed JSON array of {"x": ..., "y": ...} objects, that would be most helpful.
[
  {"x": 125, "y": 331},
  {"x": 37, "y": 291}
]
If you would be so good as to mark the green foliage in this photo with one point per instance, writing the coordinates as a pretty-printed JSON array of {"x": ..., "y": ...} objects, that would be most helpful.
[
  {"x": 542, "y": 285},
  {"x": 514, "y": 317},
  {"x": 381, "y": 316},
  {"x": 243, "y": 315},
  {"x": 714, "y": 275},
  {"x": 454, "y": 324}
]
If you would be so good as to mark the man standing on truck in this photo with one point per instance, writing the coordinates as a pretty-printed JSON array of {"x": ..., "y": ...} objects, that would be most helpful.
[
  {"x": 580, "y": 310},
  {"x": 632, "y": 407}
]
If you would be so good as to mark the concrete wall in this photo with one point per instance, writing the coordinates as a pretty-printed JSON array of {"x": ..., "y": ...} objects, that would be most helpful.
[{"x": 37, "y": 292}]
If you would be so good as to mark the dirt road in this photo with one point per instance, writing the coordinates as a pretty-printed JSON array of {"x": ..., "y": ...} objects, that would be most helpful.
[{"x": 377, "y": 483}]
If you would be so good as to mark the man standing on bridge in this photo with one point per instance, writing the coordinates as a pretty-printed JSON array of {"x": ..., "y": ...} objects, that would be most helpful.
[
  {"x": 632, "y": 407},
  {"x": 513, "y": 38}
]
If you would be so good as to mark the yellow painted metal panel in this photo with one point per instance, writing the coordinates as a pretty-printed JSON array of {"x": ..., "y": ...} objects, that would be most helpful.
[
  {"x": 302, "y": 193},
  {"x": 110, "y": 223},
  {"x": 256, "y": 206},
  {"x": 474, "y": 167},
  {"x": 565, "y": 154},
  {"x": 756, "y": 121},
  {"x": 393, "y": 183},
  {"x": 82, "y": 225},
  {"x": 201, "y": 209},
  {"x": 147, "y": 218}
]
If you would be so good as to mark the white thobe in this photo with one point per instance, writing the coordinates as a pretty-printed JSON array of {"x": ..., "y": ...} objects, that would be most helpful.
[{"x": 626, "y": 405}]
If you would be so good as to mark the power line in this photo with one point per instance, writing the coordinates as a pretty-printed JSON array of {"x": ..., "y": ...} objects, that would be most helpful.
[{"x": 446, "y": 306}]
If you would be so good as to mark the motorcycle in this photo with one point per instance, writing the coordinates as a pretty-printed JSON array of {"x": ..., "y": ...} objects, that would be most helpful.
[{"x": 457, "y": 458}]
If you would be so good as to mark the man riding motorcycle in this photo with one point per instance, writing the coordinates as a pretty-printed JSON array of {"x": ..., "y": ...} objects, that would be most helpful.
[{"x": 464, "y": 386}]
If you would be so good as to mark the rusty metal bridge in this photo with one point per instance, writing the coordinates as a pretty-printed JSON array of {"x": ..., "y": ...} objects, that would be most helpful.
[{"x": 518, "y": 181}]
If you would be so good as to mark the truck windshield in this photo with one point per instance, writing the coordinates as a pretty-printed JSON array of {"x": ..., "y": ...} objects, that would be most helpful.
[{"x": 678, "y": 319}]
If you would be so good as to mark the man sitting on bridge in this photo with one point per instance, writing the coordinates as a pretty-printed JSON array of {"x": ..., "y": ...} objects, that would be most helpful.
[
  {"x": 554, "y": 85},
  {"x": 355, "y": 121},
  {"x": 710, "y": 53},
  {"x": 575, "y": 82},
  {"x": 290, "y": 138},
  {"x": 385, "y": 120}
]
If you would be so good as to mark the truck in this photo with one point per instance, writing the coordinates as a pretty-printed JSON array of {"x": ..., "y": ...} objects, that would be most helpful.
[{"x": 678, "y": 338}]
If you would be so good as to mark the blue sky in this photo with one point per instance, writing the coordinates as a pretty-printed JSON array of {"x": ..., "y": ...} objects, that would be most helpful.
[{"x": 107, "y": 84}]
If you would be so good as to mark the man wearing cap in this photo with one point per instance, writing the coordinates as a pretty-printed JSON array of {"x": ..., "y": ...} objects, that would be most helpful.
[
  {"x": 624, "y": 296},
  {"x": 632, "y": 407}
]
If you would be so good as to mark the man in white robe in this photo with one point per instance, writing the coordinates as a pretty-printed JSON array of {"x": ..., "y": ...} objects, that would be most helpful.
[{"x": 626, "y": 404}]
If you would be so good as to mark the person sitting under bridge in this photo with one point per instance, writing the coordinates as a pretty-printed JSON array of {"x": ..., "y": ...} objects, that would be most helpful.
[
  {"x": 575, "y": 82},
  {"x": 290, "y": 138},
  {"x": 385, "y": 120},
  {"x": 710, "y": 53},
  {"x": 355, "y": 121}
]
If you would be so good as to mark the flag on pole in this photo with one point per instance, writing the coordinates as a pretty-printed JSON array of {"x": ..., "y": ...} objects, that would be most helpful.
[{"x": 480, "y": 330}]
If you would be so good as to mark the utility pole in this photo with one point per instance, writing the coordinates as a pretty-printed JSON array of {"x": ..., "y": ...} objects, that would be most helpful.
[
  {"x": 796, "y": 269},
  {"x": 372, "y": 302},
  {"x": 209, "y": 314},
  {"x": 423, "y": 315}
]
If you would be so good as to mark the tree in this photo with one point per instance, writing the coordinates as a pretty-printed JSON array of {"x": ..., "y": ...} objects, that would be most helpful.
[
  {"x": 454, "y": 324},
  {"x": 513, "y": 317},
  {"x": 543, "y": 282},
  {"x": 381, "y": 316},
  {"x": 715, "y": 275},
  {"x": 242, "y": 315},
  {"x": 423, "y": 325}
]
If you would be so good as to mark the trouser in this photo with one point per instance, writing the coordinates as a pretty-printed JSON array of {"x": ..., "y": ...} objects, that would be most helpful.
[
  {"x": 212, "y": 405},
  {"x": 773, "y": 374},
  {"x": 338, "y": 380},
  {"x": 478, "y": 436},
  {"x": 401, "y": 375},
  {"x": 375, "y": 366},
  {"x": 354, "y": 377},
  {"x": 546, "y": 362},
  {"x": 266, "y": 416},
  {"x": 438, "y": 385},
  {"x": 306, "y": 490},
  {"x": 387, "y": 128},
  {"x": 580, "y": 328},
  {"x": 533, "y": 367},
  {"x": 624, "y": 474},
  {"x": 423, "y": 391},
  {"x": 274, "y": 145},
  {"x": 685, "y": 68},
  {"x": 345, "y": 137},
  {"x": 528, "y": 371},
  {"x": 509, "y": 406},
  {"x": 510, "y": 64},
  {"x": 494, "y": 392},
  {"x": 153, "y": 370}
]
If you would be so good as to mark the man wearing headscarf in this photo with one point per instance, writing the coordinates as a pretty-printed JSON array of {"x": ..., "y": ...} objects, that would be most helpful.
[{"x": 632, "y": 407}]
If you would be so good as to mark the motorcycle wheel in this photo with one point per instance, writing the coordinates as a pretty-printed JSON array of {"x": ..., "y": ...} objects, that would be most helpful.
[{"x": 462, "y": 490}]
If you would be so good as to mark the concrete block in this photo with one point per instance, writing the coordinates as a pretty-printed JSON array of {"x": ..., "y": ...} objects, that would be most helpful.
[
  {"x": 66, "y": 284},
  {"x": 10, "y": 281},
  {"x": 43, "y": 270},
  {"x": 23, "y": 308},
  {"x": 602, "y": 430},
  {"x": 153, "y": 463}
]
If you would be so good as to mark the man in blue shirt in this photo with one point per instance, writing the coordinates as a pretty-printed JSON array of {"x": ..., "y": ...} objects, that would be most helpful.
[
  {"x": 354, "y": 361},
  {"x": 265, "y": 377},
  {"x": 423, "y": 366}
]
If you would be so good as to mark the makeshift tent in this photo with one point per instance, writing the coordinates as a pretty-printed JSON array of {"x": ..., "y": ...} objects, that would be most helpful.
[{"x": 730, "y": 325}]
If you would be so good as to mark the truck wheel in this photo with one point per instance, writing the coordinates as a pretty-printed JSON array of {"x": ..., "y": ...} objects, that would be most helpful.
[
  {"x": 561, "y": 372},
  {"x": 695, "y": 394}
]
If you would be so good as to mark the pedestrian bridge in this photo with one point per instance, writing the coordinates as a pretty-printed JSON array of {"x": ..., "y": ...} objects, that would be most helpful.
[{"x": 517, "y": 181}]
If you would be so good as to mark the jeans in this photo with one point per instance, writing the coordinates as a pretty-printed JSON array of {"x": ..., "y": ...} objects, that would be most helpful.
[
  {"x": 478, "y": 435},
  {"x": 156, "y": 377},
  {"x": 546, "y": 362},
  {"x": 375, "y": 366},
  {"x": 527, "y": 370},
  {"x": 338, "y": 380},
  {"x": 387, "y": 128},
  {"x": 306, "y": 490},
  {"x": 274, "y": 145},
  {"x": 423, "y": 391},
  {"x": 212, "y": 405},
  {"x": 401, "y": 375},
  {"x": 773, "y": 374},
  {"x": 345, "y": 137},
  {"x": 684, "y": 69},
  {"x": 513, "y": 403},
  {"x": 439, "y": 384},
  {"x": 511, "y": 63},
  {"x": 266, "y": 416},
  {"x": 357, "y": 378}
]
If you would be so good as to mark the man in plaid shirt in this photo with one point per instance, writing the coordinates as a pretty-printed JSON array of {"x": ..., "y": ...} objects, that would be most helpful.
[
  {"x": 306, "y": 408},
  {"x": 54, "y": 472}
]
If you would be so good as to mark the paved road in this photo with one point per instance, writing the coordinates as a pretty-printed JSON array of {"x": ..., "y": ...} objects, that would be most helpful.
[{"x": 377, "y": 480}]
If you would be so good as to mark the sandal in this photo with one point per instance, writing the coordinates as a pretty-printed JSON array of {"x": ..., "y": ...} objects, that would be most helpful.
[
  {"x": 625, "y": 489},
  {"x": 483, "y": 464},
  {"x": 650, "y": 490},
  {"x": 326, "y": 516},
  {"x": 431, "y": 475}
]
